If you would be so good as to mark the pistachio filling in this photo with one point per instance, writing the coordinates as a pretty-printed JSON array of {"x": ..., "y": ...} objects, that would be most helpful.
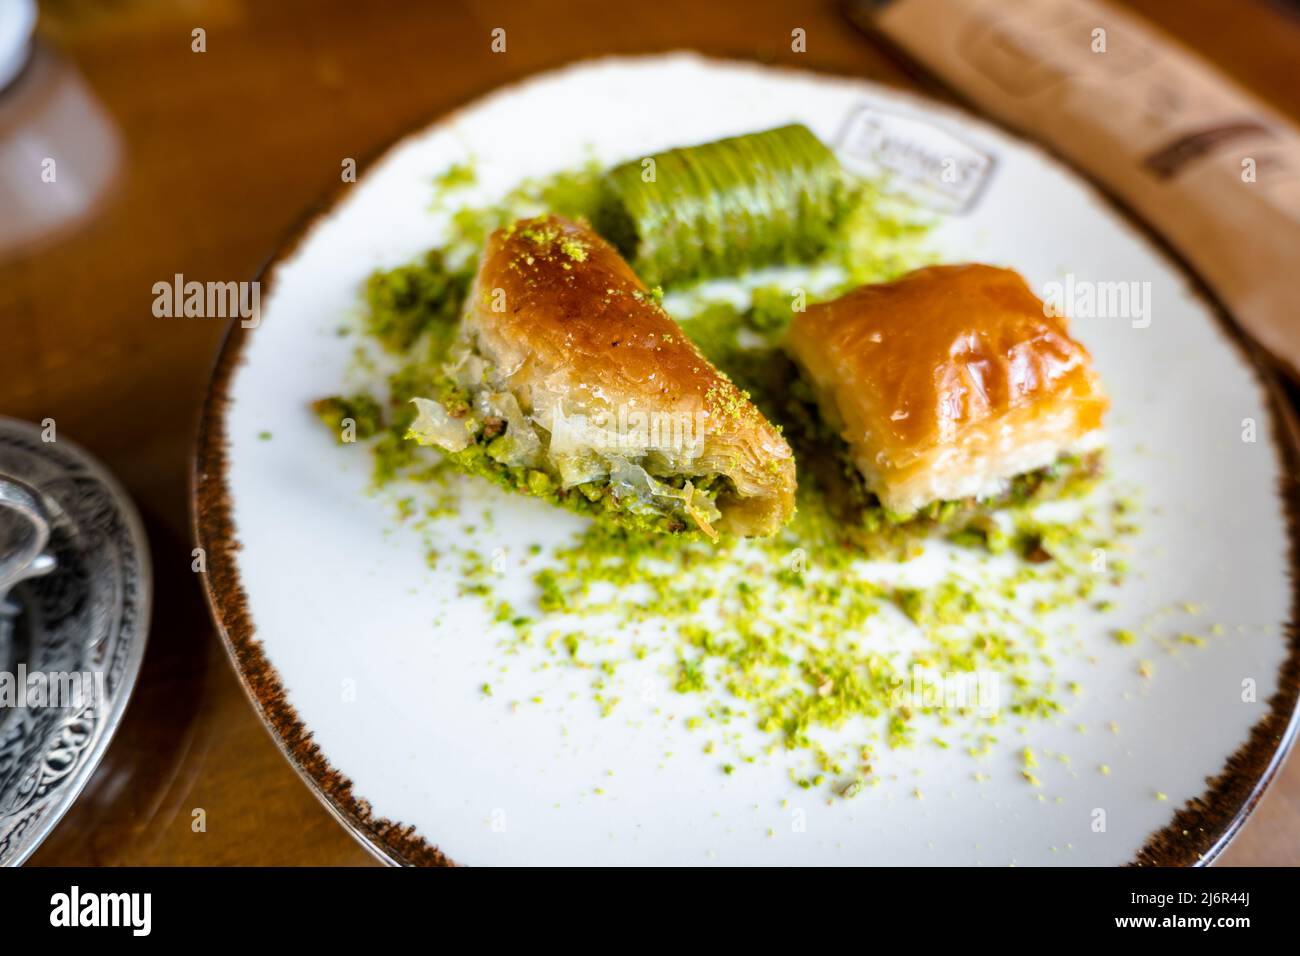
[
  {"x": 482, "y": 429},
  {"x": 970, "y": 520}
]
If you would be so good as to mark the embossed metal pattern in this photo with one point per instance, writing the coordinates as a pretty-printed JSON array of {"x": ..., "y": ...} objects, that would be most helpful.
[{"x": 90, "y": 614}]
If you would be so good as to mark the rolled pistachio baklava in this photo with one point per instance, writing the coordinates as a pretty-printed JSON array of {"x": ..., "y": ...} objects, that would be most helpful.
[
  {"x": 568, "y": 381},
  {"x": 718, "y": 208},
  {"x": 949, "y": 386}
]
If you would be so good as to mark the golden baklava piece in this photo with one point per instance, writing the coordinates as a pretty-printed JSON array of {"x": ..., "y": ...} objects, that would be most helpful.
[
  {"x": 568, "y": 381},
  {"x": 948, "y": 385}
]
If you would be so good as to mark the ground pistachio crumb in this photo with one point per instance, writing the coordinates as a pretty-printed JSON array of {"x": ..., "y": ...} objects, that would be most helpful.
[{"x": 817, "y": 655}]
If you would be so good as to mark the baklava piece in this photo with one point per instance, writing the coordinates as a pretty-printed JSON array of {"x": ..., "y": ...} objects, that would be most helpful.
[
  {"x": 568, "y": 381},
  {"x": 951, "y": 387}
]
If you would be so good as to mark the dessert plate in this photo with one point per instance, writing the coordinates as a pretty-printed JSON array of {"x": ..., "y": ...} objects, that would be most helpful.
[{"x": 437, "y": 737}]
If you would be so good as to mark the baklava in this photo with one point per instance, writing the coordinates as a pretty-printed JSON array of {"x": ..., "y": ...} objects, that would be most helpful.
[
  {"x": 567, "y": 380},
  {"x": 948, "y": 385}
]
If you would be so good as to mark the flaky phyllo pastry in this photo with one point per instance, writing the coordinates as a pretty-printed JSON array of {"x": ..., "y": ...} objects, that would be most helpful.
[
  {"x": 948, "y": 383},
  {"x": 568, "y": 381}
]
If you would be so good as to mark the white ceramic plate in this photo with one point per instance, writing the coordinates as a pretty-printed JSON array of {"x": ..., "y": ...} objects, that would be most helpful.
[{"x": 330, "y": 609}]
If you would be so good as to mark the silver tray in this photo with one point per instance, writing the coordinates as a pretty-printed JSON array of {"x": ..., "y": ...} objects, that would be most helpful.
[{"x": 87, "y": 616}]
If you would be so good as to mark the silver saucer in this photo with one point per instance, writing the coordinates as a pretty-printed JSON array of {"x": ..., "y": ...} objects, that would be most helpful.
[{"x": 87, "y": 616}]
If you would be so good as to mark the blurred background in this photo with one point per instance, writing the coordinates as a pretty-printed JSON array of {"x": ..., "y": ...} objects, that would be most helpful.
[{"x": 202, "y": 163}]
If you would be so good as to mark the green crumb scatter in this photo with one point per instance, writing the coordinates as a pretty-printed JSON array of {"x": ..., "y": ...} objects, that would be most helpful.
[
  {"x": 362, "y": 412},
  {"x": 404, "y": 303},
  {"x": 800, "y": 637},
  {"x": 800, "y": 681},
  {"x": 690, "y": 678},
  {"x": 1123, "y": 636},
  {"x": 264, "y": 436},
  {"x": 456, "y": 176},
  {"x": 574, "y": 249},
  {"x": 539, "y": 483},
  {"x": 1161, "y": 795}
]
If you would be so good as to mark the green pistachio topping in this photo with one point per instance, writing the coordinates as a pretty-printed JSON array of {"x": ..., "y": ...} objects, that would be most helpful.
[{"x": 795, "y": 640}]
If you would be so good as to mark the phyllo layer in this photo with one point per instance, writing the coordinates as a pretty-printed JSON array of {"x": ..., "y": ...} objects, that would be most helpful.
[{"x": 569, "y": 381}]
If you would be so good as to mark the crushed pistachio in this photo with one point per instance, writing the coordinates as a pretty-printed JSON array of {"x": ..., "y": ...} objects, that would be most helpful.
[{"x": 811, "y": 653}]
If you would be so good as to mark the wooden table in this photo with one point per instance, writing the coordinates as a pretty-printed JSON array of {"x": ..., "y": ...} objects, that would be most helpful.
[{"x": 225, "y": 150}]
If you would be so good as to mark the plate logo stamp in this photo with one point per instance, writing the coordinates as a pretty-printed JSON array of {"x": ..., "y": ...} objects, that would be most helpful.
[{"x": 925, "y": 162}]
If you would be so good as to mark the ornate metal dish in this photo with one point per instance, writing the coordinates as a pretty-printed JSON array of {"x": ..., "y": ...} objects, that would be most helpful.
[{"x": 81, "y": 628}]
